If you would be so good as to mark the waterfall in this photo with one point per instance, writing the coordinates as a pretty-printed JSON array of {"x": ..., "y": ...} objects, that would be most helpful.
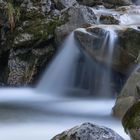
[
  {"x": 73, "y": 72},
  {"x": 60, "y": 74},
  {"x": 105, "y": 82}
]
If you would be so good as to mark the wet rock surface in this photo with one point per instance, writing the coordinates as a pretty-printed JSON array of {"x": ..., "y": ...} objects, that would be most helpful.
[
  {"x": 88, "y": 131},
  {"x": 131, "y": 121},
  {"x": 125, "y": 52},
  {"x": 129, "y": 94}
]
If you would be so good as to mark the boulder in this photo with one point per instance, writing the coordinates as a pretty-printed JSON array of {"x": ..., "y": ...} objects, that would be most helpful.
[
  {"x": 108, "y": 19},
  {"x": 131, "y": 121},
  {"x": 126, "y": 48},
  {"x": 26, "y": 64},
  {"x": 129, "y": 94},
  {"x": 28, "y": 43},
  {"x": 122, "y": 105},
  {"x": 62, "y": 4},
  {"x": 88, "y": 131},
  {"x": 74, "y": 18}
]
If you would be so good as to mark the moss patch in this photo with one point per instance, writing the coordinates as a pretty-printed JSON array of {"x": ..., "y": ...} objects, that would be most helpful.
[{"x": 131, "y": 119}]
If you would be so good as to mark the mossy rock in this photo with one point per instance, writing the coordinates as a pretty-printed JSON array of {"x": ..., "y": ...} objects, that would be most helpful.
[
  {"x": 131, "y": 121},
  {"x": 36, "y": 31}
]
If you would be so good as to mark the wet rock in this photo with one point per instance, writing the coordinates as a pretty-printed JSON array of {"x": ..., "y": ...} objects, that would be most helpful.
[
  {"x": 88, "y": 131},
  {"x": 126, "y": 46},
  {"x": 131, "y": 121},
  {"x": 106, "y": 3},
  {"x": 129, "y": 94},
  {"x": 74, "y": 18},
  {"x": 122, "y": 105},
  {"x": 46, "y": 5},
  {"x": 61, "y": 4},
  {"x": 107, "y": 19}
]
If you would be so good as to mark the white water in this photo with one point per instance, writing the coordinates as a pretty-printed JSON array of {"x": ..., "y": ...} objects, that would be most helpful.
[
  {"x": 108, "y": 44},
  {"x": 27, "y": 115},
  {"x": 61, "y": 72},
  {"x": 131, "y": 16}
]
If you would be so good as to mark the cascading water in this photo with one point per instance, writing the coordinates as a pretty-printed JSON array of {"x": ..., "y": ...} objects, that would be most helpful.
[
  {"x": 61, "y": 72},
  {"x": 50, "y": 117},
  {"x": 105, "y": 85},
  {"x": 71, "y": 72},
  {"x": 66, "y": 73}
]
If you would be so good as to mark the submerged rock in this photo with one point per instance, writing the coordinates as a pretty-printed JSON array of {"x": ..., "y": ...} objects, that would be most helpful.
[
  {"x": 88, "y": 131},
  {"x": 131, "y": 121}
]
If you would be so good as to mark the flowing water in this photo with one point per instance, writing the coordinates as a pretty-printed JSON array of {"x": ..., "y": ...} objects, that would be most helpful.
[
  {"x": 61, "y": 72},
  {"x": 30, "y": 116},
  {"x": 130, "y": 16},
  {"x": 74, "y": 89},
  {"x": 105, "y": 89},
  {"x": 63, "y": 97},
  {"x": 43, "y": 112}
]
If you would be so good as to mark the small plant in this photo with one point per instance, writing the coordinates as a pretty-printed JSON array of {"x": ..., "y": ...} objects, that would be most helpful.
[
  {"x": 13, "y": 15},
  {"x": 10, "y": 11},
  {"x": 17, "y": 14}
]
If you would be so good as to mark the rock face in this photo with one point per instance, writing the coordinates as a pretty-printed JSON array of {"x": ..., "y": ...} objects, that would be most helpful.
[
  {"x": 29, "y": 31},
  {"x": 126, "y": 48},
  {"x": 76, "y": 17},
  {"x": 131, "y": 121},
  {"x": 88, "y": 131},
  {"x": 129, "y": 95}
]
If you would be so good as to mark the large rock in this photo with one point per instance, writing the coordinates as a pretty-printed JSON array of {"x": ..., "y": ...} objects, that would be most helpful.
[
  {"x": 126, "y": 45},
  {"x": 88, "y": 131},
  {"x": 75, "y": 17},
  {"x": 129, "y": 94},
  {"x": 61, "y": 4},
  {"x": 131, "y": 121},
  {"x": 29, "y": 42},
  {"x": 25, "y": 65}
]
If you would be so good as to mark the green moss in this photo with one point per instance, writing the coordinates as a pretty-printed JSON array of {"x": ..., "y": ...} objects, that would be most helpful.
[
  {"x": 64, "y": 137},
  {"x": 40, "y": 27},
  {"x": 131, "y": 119}
]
